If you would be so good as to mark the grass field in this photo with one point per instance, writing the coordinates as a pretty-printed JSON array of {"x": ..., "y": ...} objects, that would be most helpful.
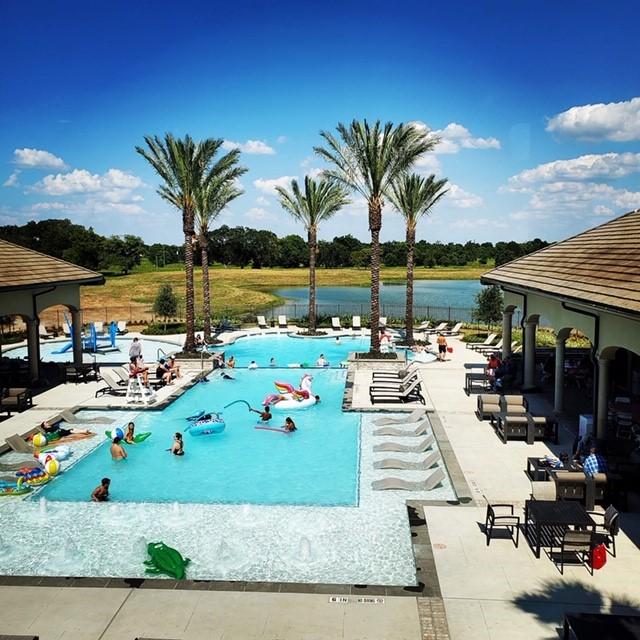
[{"x": 241, "y": 290}]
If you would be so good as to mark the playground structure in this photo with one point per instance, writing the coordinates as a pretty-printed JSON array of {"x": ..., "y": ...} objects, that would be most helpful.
[{"x": 92, "y": 343}]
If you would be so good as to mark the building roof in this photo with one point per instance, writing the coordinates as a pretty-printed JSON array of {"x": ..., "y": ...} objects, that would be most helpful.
[
  {"x": 600, "y": 267},
  {"x": 22, "y": 268}
]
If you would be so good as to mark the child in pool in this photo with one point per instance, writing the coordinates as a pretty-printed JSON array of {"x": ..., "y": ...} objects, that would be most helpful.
[{"x": 177, "y": 448}]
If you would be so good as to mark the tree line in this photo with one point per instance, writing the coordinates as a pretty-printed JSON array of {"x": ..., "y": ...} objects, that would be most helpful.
[{"x": 247, "y": 247}]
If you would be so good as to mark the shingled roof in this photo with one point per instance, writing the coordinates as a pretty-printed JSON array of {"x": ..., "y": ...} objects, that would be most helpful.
[
  {"x": 600, "y": 267},
  {"x": 22, "y": 268}
]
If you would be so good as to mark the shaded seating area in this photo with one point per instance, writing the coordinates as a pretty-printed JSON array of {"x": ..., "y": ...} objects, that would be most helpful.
[
  {"x": 15, "y": 399},
  {"x": 531, "y": 428}
]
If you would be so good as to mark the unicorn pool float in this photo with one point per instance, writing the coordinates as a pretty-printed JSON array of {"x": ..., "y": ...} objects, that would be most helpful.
[{"x": 290, "y": 398}]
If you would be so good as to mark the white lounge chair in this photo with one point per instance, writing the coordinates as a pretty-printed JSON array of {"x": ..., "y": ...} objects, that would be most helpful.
[
  {"x": 455, "y": 331},
  {"x": 421, "y": 430},
  {"x": 394, "y": 376},
  {"x": 397, "y": 484},
  {"x": 423, "y": 326},
  {"x": 382, "y": 321},
  {"x": 392, "y": 463},
  {"x": 282, "y": 322},
  {"x": 441, "y": 327},
  {"x": 414, "y": 416},
  {"x": 411, "y": 393},
  {"x": 394, "y": 385},
  {"x": 122, "y": 327},
  {"x": 356, "y": 325},
  {"x": 398, "y": 447},
  {"x": 43, "y": 333},
  {"x": 98, "y": 326},
  {"x": 262, "y": 323},
  {"x": 474, "y": 345},
  {"x": 112, "y": 387},
  {"x": 66, "y": 330},
  {"x": 489, "y": 348},
  {"x": 335, "y": 324}
]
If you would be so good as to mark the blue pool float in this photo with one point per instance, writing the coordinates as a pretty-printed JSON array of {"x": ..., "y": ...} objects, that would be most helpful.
[{"x": 209, "y": 424}]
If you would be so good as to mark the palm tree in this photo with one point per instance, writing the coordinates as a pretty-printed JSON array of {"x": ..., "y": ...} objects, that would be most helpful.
[
  {"x": 185, "y": 167},
  {"x": 414, "y": 196},
  {"x": 367, "y": 159},
  {"x": 210, "y": 201},
  {"x": 318, "y": 203}
]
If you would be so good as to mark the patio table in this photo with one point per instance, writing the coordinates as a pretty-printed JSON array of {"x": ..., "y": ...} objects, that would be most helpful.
[
  {"x": 540, "y": 471},
  {"x": 559, "y": 513},
  {"x": 470, "y": 379}
]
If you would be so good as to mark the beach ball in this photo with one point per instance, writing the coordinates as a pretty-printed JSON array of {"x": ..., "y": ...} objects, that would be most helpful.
[
  {"x": 118, "y": 433},
  {"x": 39, "y": 440},
  {"x": 52, "y": 466}
]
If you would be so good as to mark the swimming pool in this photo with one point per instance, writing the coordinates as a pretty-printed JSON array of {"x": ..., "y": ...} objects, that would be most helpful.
[
  {"x": 316, "y": 465},
  {"x": 150, "y": 350}
]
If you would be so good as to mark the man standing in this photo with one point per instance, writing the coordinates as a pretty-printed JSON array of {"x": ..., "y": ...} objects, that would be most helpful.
[
  {"x": 594, "y": 463},
  {"x": 135, "y": 350}
]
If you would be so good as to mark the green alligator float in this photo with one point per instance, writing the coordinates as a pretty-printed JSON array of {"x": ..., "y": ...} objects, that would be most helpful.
[
  {"x": 166, "y": 560},
  {"x": 137, "y": 438}
]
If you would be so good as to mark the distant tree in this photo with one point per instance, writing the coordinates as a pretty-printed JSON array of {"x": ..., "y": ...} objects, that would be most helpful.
[
  {"x": 361, "y": 258},
  {"x": 293, "y": 252},
  {"x": 123, "y": 253},
  {"x": 489, "y": 305},
  {"x": 166, "y": 303}
]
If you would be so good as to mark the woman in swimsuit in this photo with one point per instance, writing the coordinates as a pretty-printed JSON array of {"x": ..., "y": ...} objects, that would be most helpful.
[{"x": 177, "y": 448}]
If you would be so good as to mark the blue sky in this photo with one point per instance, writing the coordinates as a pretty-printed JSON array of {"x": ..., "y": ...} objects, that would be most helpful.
[{"x": 537, "y": 105}]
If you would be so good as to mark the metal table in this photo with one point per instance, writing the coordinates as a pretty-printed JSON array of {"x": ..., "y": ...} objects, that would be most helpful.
[{"x": 560, "y": 513}]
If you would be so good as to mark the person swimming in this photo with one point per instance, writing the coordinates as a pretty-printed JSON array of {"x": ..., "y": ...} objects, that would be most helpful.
[
  {"x": 177, "y": 448},
  {"x": 117, "y": 450},
  {"x": 265, "y": 414},
  {"x": 289, "y": 425},
  {"x": 101, "y": 492}
]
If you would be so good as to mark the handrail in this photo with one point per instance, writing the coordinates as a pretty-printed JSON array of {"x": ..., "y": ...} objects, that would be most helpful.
[{"x": 159, "y": 351}]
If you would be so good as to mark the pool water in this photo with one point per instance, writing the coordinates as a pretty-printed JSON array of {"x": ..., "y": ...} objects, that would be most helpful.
[
  {"x": 316, "y": 465},
  {"x": 150, "y": 351}
]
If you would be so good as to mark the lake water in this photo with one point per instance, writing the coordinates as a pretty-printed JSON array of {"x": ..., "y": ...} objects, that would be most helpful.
[{"x": 437, "y": 298}]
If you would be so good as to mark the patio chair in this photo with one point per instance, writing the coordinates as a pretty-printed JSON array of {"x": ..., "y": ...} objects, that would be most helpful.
[
  {"x": 409, "y": 393},
  {"x": 395, "y": 374},
  {"x": 488, "y": 404},
  {"x": 607, "y": 530},
  {"x": 71, "y": 418},
  {"x": 15, "y": 399},
  {"x": 394, "y": 384},
  {"x": 18, "y": 444},
  {"x": 356, "y": 325},
  {"x": 421, "y": 430},
  {"x": 412, "y": 417},
  {"x": 514, "y": 404},
  {"x": 524, "y": 426},
  {"x": 121, "y": 374},
  {"x": 454, "y": 331},
  {"x": 543, "y": 490},
  {"x": 501, "y": 516},
  {"x": 262, "y": 323},
  {"x": 112, "y": 387},
  {"x": 335, "y": 324},
  {"x": 98, "y": 325},
  {"x": 441, "y": 327},
  {"x": 474, "y": 345},
  {"x": 424, "y": 465},
  {"x": 122, "y": 327},
  {"x": 577, "y": 543},
  {"x": 282, "y": 322},
  {"x": 43, "y": 333},
  {"x": 427, "y": 443},
  {"x": 398, "y": 484}
]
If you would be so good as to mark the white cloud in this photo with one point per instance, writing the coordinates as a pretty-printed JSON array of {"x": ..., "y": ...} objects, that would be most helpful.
[
  {"x": 281, "y": 139},
  {"x": 269, "y": 186},
  {"x": 455, "y": 137},
  {"x": 12, "y": 180},
  {"x": 81, "y": 181},
  {"x": 458, "y": 197},
  {"x": 523, "y": 216},
  {"x": 601, "y": 210},
  {"x": 49, "y": 206},
  {"x": 37, "y": 158},
  {"x": 315, "y": 173},
  {"x": 262, "y": 200},
  {"x": 258, "y": 213},
  {"x": 258, "y": 147},
  {"x": 615, "y": 121},
  {"x": 605, "y": 165},
  {"x": 428, "y": 164},
  {"x": 475, "y": 223}
]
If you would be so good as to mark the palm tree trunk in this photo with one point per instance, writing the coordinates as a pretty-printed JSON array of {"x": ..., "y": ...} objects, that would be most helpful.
[
  {"x": 411, "y": 241},
  {"x": 375, "y": 224},
  {"x": 313, "y": 241},
  {"x": 187, "y": 227},
  {"x": 206, "y": 292}
]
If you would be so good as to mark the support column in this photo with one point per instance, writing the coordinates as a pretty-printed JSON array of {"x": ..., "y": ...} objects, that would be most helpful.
[
  {"x": 602, "y": 408},
  {"x": 558, "y": 396},
  {"x": 33, "y": 349},
  {"x": 507, "y": 318},
  {"x": 529, "y": 355},
  {"x": 76, "y": 336}
]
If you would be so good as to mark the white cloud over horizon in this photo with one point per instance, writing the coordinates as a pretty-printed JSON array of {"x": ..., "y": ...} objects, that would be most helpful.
[
  {"x": 12, "y": 180},
  {"x": 460, "y": 198},
  {"x": 37, "y": 158},
  {"x": 455, "y": 136},
  {"x": 257, "y": 147},
  {"x": 613, "y": 121},
  {"x": 268, "y": 186},
  {"x": 82, "y": 181}
]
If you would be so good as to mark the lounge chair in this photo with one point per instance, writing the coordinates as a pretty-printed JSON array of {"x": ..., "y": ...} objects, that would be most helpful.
[
  {"x": 122, "y": 327},
  {"x": 335, "y": 324},
  {"x": 356, "y": 325},
  {"x": 398, "y": 447},
  {"x": 99, "y": 326},
  {"x": 441, "y": 327},
  {"x": 43, "y": 333},
  {"x": 65, "y": 330},
  {"x": 421, "y": 430},
  {"x": 490, "y": 348},
  {"x": 474, "y": 345},
  {"x": 455, "y": 331},
  {"x": 395, "y": 375},
  {"x": 19, "y": 445},
  {"x": 16, "y": 466},
  {"x": 381, "y": 384},
  {"x": 121, "y": 374},
  {"x": 423, "y": 326},
  {"x": 392, "y": 463},
  {"x": 397, "y": 484},
  {"x": 411, "y": 393},
  {"x": 382, "y": 321},
  {"x": 112, "y": 387},
  {"x": 71, "y": 418},
  {"x": 414, "y": 416},
  {"x": 282, "y": 322},
  {"x": 262, "y": 323},
  {"x": 488, "y": 404}
]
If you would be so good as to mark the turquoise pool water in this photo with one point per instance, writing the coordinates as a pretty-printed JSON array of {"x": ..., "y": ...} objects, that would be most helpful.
[
  {"x": 316, "y": 465},
  {"x": 149, "y": 351}
]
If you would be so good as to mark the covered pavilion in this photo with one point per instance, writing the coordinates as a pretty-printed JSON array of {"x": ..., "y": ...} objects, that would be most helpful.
[
  {"x": 30, "y": 282},
  {"x": 589, "y": 283}
]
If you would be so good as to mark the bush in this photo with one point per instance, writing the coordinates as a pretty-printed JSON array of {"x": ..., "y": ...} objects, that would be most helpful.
[
  {"x": 164, "y": 329},
  {"x": 376, "y": 355}
]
